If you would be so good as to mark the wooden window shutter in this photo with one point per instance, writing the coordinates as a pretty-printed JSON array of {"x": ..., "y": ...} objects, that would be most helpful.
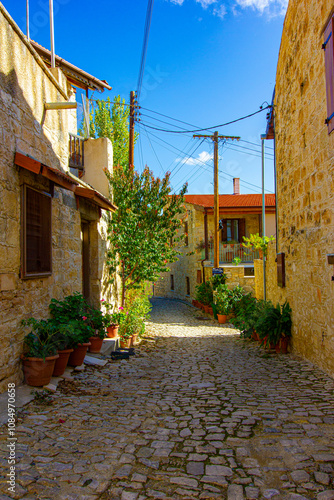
[
  {"x": 224, "y": 230},
  {"x": 36, "y": 251},
  {"x": 328, "y": 47},
  {"x": 242, "y": 229}
]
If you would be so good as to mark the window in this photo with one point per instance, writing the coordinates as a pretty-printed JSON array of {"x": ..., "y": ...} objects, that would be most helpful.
[
  {"x": 233, "y": 230},
  {"x": 172, "y": 281},
  {"x": 36, "y": 233},
  {"x": 248, "y": 271},
  {"x": 188, "y": 285},
  {"x": 328, "y": 47}
]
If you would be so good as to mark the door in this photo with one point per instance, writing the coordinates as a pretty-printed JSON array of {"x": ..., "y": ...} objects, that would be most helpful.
[{"x": 85, "y": 259}]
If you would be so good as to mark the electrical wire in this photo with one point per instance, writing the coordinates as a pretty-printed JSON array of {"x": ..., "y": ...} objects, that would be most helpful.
[
  {"x": 208, "y": 128},
  {"x": 154, "y": 151},
  {"x": 200, "y": 161},
  {"x": 145, "y": 45}
]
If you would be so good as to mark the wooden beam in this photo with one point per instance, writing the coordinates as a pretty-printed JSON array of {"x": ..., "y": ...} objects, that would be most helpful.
[{"x": 27, "y": 163}]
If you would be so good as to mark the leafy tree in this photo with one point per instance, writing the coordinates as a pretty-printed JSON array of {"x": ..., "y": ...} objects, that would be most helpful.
[
  {"x": 141, "y": 230},
  {"x": 110, "y": 119}
]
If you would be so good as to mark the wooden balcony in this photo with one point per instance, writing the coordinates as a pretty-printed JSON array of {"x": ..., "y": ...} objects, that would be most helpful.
[{"x": 76, "y": 151}]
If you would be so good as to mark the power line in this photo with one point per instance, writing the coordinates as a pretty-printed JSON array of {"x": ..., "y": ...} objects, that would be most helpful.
[
  {"x": 198, "y": 160},
  {"x": 145, "y": 45},
  {"x": 154, "y": 151},
  {"x": 208, "y": 128}
]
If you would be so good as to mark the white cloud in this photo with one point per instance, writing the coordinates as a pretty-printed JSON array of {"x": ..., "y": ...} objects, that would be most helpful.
[
  {"x": 177, "y": 2},
  {"x": 206, "y": 3},
  {"x": 203, "y": 157},
  {"x": 220, "y": 11},
  {"x": 272, "y": 7}
]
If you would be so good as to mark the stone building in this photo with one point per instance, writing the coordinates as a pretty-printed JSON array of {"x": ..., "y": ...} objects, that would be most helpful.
[
  {"x": 302, "y": 125},
  {"x": 241, "y": 215},
  {"x": 54, "y": 198}
]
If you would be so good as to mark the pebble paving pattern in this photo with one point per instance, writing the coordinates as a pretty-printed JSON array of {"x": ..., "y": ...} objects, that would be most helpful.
[{"x": 198, "y": 413}]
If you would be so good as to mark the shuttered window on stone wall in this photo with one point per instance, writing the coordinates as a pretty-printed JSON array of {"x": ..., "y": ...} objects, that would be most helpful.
[
  {"x": 36, "y": 233},
  {"x": 328, "y": 47}
]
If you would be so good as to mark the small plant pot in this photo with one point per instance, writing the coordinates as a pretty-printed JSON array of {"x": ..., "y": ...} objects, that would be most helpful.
[
  {"x": 134, "y": 340},
  {"x": 282, "y": 346},
  {"x": 37, "y": 371},
  {"x": 210, "y": 310},
  {"x": 255, "y": 336},
  {"x": 61, "y": 362},
  {"x": 125, "y": 343},
  {"x": 221, "y": 318},
  {"x": 206, "y": 308},
  {"x": 95, "y": 344},
  {"x": 78, "y": 355},
  {"x": 112, "y": 331}
]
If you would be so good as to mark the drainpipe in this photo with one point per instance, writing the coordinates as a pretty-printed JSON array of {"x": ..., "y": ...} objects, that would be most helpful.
[
  {"x": 275, "y": 179},
  {"x": 206, "y": 249},
  {"x": 263, "y": 219}
]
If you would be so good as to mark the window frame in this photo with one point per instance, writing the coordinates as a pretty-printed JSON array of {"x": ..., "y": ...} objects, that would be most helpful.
[{"x": 25, "y": 274}]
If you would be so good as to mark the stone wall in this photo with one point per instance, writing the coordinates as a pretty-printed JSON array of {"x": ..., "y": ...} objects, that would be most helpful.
[
  {"x": 190, "y": 266},
  {"x": 305, "y": 183},
  {"x": 25, "y": 84}
]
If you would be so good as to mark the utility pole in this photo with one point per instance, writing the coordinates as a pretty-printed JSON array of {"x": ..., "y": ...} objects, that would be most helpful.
[
  {"x": 132, "y": 128},
  {"x": 215, "y": 138}
]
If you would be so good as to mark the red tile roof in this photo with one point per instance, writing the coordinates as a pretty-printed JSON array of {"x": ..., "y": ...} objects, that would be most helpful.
[{"x": 231, "y": 200}]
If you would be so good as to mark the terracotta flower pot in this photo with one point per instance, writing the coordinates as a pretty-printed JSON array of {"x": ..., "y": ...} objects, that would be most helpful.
[
  {"x": 206, "y": 308},
  {"x": 133, "y": 340},
  {"x": 112, "y": 331},
  {"x": 78, "y": 355},
  {"x": 210, "y": 310},
  {"x": 221, "y": 318},
  {"x": 255, "y": 335},
  {"x": 95, "y": 344},
  {"x": 38, "y": 372},
  {"x": 61, "y": 362},
  {"x": 282, "y": 346},
  {"x": 125, "y": 343}
]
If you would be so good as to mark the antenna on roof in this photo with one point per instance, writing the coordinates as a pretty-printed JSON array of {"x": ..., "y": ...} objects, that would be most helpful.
[
  {"x": 28, "y": 31},
  {"x": 53, "y": 59}
]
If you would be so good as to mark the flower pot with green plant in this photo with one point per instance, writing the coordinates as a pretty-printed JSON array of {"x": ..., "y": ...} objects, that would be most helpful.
[
  {"x": 222, "y": 297},
  {"x": 274, "y": 327},
  {"x": 257, "y": 242},
  {"x": 95, "y": 320},
  {"x": 39, "y": 352},
  {"x": 73, "y": 310}
]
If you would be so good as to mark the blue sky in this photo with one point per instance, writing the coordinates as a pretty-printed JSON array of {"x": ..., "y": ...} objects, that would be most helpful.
[{"x": 208, "y": 62}]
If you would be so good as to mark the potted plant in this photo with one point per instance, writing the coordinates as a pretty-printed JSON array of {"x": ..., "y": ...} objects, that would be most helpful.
[
  {"x": 63, "y": 332},
  {"x": 73, "y": 310},
  {"x": 222, "y": 302},
  {"x": 257, "y": 242},
  {"x": 96, "y": 321},
  {"x": 39, "y": 352}
]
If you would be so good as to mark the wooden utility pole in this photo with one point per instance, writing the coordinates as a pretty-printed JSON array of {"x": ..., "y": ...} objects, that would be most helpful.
[
  {"x": 132, "y": 128},
  {"x": 215, "y": 138}
]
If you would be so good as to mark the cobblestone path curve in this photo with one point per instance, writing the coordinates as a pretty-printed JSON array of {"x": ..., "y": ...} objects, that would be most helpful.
[{"x": 196, "y": 414}]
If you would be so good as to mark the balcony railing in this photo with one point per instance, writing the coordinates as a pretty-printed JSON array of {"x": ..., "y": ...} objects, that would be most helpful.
[
  {"x": 76, "y": 149},
  {"x": 228, "y": 252}
]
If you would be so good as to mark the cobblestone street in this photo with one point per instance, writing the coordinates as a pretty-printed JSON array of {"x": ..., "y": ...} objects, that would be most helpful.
[{"x": 197, "y": 413}]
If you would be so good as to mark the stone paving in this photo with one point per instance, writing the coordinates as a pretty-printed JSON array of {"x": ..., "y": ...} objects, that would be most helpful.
[{"x": 196, "y": 414}]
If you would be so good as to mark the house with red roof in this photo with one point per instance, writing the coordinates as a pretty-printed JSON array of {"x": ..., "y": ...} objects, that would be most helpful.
[{"x": 240, "y": 215}]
